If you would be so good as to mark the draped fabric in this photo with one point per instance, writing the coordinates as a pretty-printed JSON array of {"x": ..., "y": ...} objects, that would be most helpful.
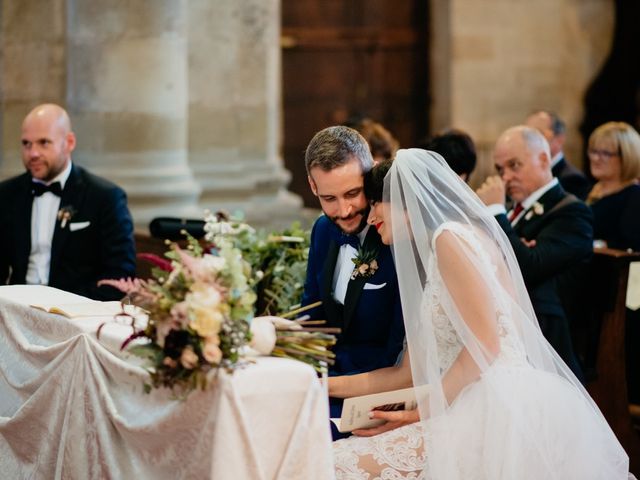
[
  {"x": 501, "y": 404},
  {"x": 74, "y": 407}
]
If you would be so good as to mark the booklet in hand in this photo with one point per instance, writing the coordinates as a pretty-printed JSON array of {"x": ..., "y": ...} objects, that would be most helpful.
[
  {"x": 355, "y": 410},
  {"x": 90, "y": 309}
]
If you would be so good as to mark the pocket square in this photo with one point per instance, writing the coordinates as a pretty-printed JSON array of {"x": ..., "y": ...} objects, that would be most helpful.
[
  {"x": 75, "y": 226},
  {"x": 373, "y": 286}
]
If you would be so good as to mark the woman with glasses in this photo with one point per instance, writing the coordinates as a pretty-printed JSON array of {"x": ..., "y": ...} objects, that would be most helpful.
[{"x": 614, "y": 158}]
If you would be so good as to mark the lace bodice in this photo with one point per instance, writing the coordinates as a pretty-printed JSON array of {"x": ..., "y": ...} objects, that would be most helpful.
[{"x": 448, "y": 342}]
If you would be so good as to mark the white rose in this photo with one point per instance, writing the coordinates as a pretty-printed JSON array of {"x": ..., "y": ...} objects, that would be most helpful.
[
  {"x": 204, "y": 309},
  {"x": 213, "y": 262},
  {"x": 263, "y": 334}
]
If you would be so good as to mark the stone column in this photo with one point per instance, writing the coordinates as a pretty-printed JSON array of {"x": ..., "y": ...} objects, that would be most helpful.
[
  {"x": 127, "y": 98},
  {"x": 32, "y": 69},
  {"x": 234, "y": 109}
]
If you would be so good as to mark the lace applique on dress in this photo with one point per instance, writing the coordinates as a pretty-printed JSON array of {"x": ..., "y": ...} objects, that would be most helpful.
[
  {"x": 447, "y": 340},
  {"x": 449, "y": 345},
  {"x": 397, "y": 454}
]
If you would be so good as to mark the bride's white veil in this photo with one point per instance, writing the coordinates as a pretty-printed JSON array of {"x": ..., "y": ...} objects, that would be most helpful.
[{"x": 466, "y": 310}]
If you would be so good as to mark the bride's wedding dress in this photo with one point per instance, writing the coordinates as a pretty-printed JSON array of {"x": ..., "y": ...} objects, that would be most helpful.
[
  {"x": 502, "y": 420},
  {"x": 523, "y": 417}
]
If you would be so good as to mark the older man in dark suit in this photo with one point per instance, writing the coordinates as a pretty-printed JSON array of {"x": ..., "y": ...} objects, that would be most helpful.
[
  {"x": 550, "y": 231},
  {"x": 62, "y": 226}
]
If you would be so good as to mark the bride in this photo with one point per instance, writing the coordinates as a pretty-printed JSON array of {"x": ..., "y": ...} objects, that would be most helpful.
[{"x": 501, "y": 403}]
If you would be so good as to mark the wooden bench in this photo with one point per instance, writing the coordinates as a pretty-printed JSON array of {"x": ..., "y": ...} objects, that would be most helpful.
[{"x": 608, "y": 387}]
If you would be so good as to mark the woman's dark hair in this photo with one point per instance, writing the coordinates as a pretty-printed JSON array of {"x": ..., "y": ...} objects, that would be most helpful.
[
  {"x": 374, "y": 181},
  {"x": 456, "y": 147}
]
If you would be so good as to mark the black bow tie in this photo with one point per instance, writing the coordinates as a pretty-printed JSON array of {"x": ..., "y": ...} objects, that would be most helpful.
[
  {"x": 38, "y": 188},
  {"x": 352, "y": 240}
]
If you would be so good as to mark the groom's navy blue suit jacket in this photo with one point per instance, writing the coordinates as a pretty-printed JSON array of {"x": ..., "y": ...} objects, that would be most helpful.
[{"x": 371, "y": 318}]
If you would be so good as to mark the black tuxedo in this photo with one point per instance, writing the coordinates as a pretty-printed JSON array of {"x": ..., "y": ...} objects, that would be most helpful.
[
  {"x": 571, "y": 179},
  {"x": 95, "y": 243},
  {"x": 564, "y": 239},
  {"x": 371, "y": 318}
]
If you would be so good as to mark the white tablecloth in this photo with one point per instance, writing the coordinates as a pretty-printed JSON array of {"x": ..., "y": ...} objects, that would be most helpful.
[{"x": 74, "y": 407}]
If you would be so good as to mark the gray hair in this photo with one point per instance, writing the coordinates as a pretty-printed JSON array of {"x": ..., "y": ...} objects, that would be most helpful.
[
  {"x": 534, "y": 140},
  {"x": 336, "y": 146},
  {"x": 558, "y": 126}
]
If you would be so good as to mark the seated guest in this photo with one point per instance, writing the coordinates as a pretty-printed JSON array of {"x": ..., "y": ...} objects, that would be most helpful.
[
  {"x": 457, "y": 148},
  {"x": 62, "y": 226},
  {"x": 550, "y": 231},
  {"x": 614, "y": 158},
  {"x": 381, "y": 142},
  {"x": 553, "y": 129}
]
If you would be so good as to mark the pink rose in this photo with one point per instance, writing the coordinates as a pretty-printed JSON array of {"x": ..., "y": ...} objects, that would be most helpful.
[
  {"x": 169, "y": 362},
  {"x": 211, "y": 352},
  {"x": 189, "y": 359}
]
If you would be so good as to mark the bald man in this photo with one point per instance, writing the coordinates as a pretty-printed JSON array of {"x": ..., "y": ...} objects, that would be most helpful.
[
  {"x": 550, "y": 231},
  {"x": 62, "y": 226}
]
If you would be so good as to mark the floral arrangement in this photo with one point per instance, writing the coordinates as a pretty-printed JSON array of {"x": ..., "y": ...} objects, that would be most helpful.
[
  {"x": 365, "y": 263},
  {"x": 199, "y": 306},
  {"x": 536, "y": 209},
  {"x": 279, "y": 261},
  {"x": 65, "y": 214},
  {"x": 201, "y": 303}
]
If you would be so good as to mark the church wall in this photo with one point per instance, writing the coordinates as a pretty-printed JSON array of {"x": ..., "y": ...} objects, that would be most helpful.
[
  {"x": 492, "y": 62},
  {"x": 504, "y": 58}
]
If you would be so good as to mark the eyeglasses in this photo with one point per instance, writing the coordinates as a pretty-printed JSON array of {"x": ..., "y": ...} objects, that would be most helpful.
[{"x": 604, "y": 154}]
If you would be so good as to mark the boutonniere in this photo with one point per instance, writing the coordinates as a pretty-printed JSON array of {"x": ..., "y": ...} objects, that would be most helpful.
[
  {"x": 365, "y": 263},
  {"x": 536, "y": 209},
  {"x": 65, "y": 214}
]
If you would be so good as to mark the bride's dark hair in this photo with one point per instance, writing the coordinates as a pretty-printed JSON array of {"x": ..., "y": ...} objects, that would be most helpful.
[{"x": 374, "y": 181}]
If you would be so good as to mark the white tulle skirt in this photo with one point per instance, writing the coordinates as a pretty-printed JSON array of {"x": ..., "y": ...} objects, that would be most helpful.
[{"x": 513, "y": 423}]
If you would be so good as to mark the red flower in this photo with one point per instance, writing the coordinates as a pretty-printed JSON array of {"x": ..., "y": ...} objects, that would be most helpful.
[{"x": 161, "y": 263}]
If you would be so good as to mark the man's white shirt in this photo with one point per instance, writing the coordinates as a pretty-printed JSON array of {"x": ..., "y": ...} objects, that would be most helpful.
[
  {"x": 44, "y": 212},
  {"x": 556, "y": 158},
  {"x": 497, "y": 209},
  {"x": 344, "y": 268}
]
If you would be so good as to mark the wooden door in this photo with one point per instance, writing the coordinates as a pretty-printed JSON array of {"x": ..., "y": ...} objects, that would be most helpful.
[{"x": 344, "y": 58}]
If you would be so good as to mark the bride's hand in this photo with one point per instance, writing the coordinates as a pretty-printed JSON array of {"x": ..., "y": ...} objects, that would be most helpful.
[{"x": 393, "y": 420}]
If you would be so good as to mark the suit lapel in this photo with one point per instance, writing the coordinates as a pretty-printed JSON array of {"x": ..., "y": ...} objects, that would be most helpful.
[
  {"x": 22, "y": 216},
  {"x": 72, "y": 197},
  {"x": 334, "y": 313},
  {"x": 354, "y": 290},
  {"x": 558, "y": 167}
]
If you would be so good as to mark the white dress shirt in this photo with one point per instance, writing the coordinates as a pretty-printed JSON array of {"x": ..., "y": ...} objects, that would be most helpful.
[
  {"x": 344, "y": 268},
  {"x": 557, "y": 157},
  {"x": 496, "y": 209},
  {"x": 44, "y": 212}
]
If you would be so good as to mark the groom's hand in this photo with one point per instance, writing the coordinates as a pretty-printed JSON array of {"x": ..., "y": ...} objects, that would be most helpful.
[{"x": 393, "y": 420}]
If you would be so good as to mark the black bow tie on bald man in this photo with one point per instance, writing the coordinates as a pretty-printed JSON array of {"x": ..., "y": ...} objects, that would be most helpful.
[{"x": 38, "y": 188}]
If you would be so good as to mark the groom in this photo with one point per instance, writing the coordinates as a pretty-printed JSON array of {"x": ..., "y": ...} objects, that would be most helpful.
[{"x": 364, "y": 301}]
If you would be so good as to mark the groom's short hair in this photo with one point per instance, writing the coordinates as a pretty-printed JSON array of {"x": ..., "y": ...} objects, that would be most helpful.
[{"x": 334, "y": 147}]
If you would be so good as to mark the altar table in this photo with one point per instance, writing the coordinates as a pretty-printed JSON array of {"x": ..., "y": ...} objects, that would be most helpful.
[{"x": 73, "y": 406}]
